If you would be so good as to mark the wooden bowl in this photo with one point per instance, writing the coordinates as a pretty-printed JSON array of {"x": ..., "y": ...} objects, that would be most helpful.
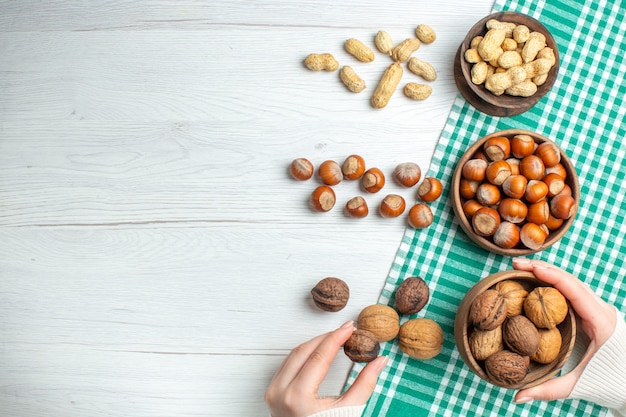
[
  {"x": 538, "y": 373},
  {"x": 487, "y": 243},
  {"x": 481, "y": 98}
]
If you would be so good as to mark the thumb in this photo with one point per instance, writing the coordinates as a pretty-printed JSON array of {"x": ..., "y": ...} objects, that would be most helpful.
[
  {"x": 553, "y": 389},
  {"x": 364, "y": 385}
]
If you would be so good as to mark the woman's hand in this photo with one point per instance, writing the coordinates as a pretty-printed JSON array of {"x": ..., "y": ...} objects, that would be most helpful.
[
  {"x": 598, "y": 321},
  {"x": 293, "y": 390}
]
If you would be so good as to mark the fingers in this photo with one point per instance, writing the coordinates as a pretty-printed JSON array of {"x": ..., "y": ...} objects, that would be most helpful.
[
  {"x": 551, "y": 390},
  {"x": 316, "y": 366},
  {"x": 364, "y": 385}
]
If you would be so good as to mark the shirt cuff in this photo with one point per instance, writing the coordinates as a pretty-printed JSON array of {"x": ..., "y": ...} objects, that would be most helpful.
[
  {"x": 353, "y": 411},
  {"x": 604, "y": 379}
]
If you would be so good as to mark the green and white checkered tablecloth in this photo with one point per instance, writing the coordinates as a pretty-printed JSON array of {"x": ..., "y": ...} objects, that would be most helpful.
[{"x": 584, "y": 114}]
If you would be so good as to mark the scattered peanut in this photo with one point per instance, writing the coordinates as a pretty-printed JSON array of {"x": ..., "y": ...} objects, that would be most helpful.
[
  {"x": 351, "y": 79},
  {"x": 319, "y": 62},
  {"x": 387, "y": 86},
  {"x": 425, "y": 33},
  {"x": 405, "y": 49},
  {"x": 417, "y": 91},
  {"x": 359, "y": 50},
  {"x": 383, "y": 42},
  {"x": 422, "y": 68}
]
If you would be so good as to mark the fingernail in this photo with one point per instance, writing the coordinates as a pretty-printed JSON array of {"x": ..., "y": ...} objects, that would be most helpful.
[
  {"x": 521, "y": 260},
  {"x": 382, "y": 363},
  {"x": 349, "y": 323},
  {"x": 523, "y": 400}
]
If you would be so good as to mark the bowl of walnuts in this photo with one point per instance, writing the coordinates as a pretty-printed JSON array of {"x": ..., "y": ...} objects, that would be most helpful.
[
  {"x": 514, "y": 330},
  {"x": 507, "y": 62},
  {"x": 515, "y": 192}
]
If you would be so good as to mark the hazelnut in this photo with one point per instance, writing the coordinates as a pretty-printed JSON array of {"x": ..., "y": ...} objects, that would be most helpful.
[
  {"x": 485, "y": 221},
  {"x": 546, "y": 307},
  {"x": 362, "y": 346},
  {"x": 392, "y": 205},
  {"x": 533, "y": 236},
  {"x": 514, "y": 293},
  {"x": 506, "y": 367},
  {"x": 357, "y": 207},
  {"x": 353, "y": 167},
  {"x": 522, "y": 145},
  {"x": 484, "y": 343},
  {"x": 497, "y": 148},
  {"x": 301, "y": 169},
  {"x": 515, "y": 186},
  {"x": 421, "y": 338},
  {"x": 323, "y": 198},
  {"x": 488, "y": 310},
  {"x": 420, "y": 216},
  {"x": 470, "y": 207},
  {"x": 475, "y": 169},
  {"x": 558, "y": 169},
  {"x": 553, "y": 223},
  {"x": 373, "y": 180},
  {"x": 539, "y": 212},
  {"x": 532, "y": 167},
  {"x": 498, "y": 171},
  {"x": 330, "y": 173},
  {"x": 563, "y": 206},
  {"x": 487, "y": 194},
  {"x": 429, "y": 190},
  {"x": 520, "y": 335},
  {"x": 383, "y": 321},
  {"x": 536, "y": 190},
  {"x": 550, "y": 341},
  {"x": 514, "y": 164},
  {"x": 555, "y": 183},
  {"x": 467, "y": 188},
  {"x": 407, "y": 174},
  {"x": 412, "y": 295},
  {"x": 549, "y": 154},
  {"x": 331, "y": 294},
  {"x": 507, "y": 236},
  {"x": 513, "y": 210}
]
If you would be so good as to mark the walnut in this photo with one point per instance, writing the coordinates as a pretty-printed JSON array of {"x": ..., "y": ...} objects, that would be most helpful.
[
  {"x": 520, "y": 335},
  {"x": 381, "y": 320},
  {"x": 331, "y": 294},
  {"x": 514, "y": 293},
  {"x": 362, "y": 346},
  {"x": 550, "y": 341},
  {"x": 412, "y": 295},
  {"x": 545, "y": 307},
  {"x": 506, "y": 367},
  {"x": 484, "y": 343},
  {"x": 488, "y": 310},
  {"x": 421, "y": 338}
]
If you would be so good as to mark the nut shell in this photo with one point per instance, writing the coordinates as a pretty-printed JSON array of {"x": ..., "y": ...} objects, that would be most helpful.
[
  {"x": 484, "y": 343},
  {"x": 421, "y": 338},
  {"x": 506, "y": 367},
  {"x": 488, "y": 310},
  {"x": 362, "y": 346},
  {"x": 331, "y": 294},
  {"x": 514, "y": 293},
  {"x": 546, "y": 307},
  {"x": 381, "y": 320},
  {"x": 520, "y": 335},
  {"x": 412, "y": 295},
  {"x": 550, "y": 341}
]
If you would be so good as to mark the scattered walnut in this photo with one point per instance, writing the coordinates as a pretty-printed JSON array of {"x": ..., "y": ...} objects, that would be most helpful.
[
  {"x": 331, "y": 294},
  {"x": 381, "y": 320},
  {"x": 421, "y": 338},
  {"x": 488, "y": 310},
  {"x": 362, "y": 346},
  {"x": 412, "y": 295}
]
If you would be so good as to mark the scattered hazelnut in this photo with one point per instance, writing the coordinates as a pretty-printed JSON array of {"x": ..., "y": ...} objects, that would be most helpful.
[
  {"x": 331, "y": 294},
  {"x": 353, "y": 167},
  {"x": 323, "y": 198},
  {"x": 301, "y": 169},
  {"x": 407, "y": 174},
  {"x": 506, "y": 367},
  {"x": 430, "y": 190},
  {"x": 362, "y": 346},
  {"x": 357, "y": 207},
  {"x": 373, "y": 180},
  {"x": 488, "y": 310},
  {"x": 546, "y": 307},
  {"x": 520, "y": 335},
  {"x": 381, "y": 320},
  {"x": 420, "y": 216},
  {"x": 412, "y": 295},
  {"x": 330, "y": 173},
  {"x": 392, "y": 205},
  {"x": 421, "y": 338},
  {"x": 484, "y": 343}
]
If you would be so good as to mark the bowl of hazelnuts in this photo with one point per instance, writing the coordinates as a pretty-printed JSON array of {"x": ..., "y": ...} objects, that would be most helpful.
[
  {"x": 514, "y": 330},
  {"x": 515, "y": 192},
  {"x": 507, "y": 62}
]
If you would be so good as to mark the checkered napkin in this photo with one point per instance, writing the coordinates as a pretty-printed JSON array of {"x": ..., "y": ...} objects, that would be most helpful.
[{"x": 584, "y": 114}]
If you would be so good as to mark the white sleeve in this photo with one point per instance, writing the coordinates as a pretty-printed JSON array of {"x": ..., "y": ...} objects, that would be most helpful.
[
  {"x": 604, "y": 379},
  {"x": 353, "y": 411}
]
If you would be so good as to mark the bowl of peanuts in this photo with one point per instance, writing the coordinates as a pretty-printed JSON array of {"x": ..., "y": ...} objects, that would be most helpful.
[
  {"x": 515, "y": 192},
  {"x": 507, "y": 62}
]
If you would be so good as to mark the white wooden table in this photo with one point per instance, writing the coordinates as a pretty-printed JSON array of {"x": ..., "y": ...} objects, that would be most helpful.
[{"x": 155, "y": 257}]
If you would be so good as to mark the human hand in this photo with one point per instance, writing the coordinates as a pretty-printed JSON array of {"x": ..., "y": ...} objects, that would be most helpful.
[
  {"x": 598, "y": 322},
  {"x": 293, "y": 390}
]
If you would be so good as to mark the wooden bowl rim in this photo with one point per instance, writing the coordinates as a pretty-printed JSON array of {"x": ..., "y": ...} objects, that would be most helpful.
[
  {"x": 485, "y": 243},
  {"x": 478, "y": 95},
  {"x": 541, "y": 373}
]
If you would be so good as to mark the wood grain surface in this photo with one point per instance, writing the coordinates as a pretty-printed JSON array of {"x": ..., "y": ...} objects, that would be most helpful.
[{"x": 155, "y": 257}]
